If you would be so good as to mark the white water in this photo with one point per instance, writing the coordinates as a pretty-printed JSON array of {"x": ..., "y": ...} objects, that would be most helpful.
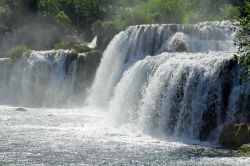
[
  {"x": 93, "y": 43},
  {"x": 139, "y": 41},
  {"x": 157, "y": 86},
  {"x": 85, "y": 137},
  {"x": 39, "y": 80},
  {"x": 172, "y": 80}
]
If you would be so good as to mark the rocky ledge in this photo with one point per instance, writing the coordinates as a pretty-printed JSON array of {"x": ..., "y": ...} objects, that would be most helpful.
[{"x": 236, "y": 137}]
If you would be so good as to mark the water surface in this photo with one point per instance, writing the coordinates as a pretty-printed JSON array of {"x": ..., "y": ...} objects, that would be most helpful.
[{"x": 85, "y": 137}]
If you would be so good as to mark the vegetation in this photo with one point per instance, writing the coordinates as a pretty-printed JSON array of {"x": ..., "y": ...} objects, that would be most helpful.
[
  {"x": 41, "y": 23},
  {"x": 244, "y": 150},
  {"x": 16, "y": 52},
  {"x": 171, "y": 11},
  {"x": 244, "y": 36}
]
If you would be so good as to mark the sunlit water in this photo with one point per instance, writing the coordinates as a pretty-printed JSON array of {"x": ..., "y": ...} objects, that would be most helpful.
[{"x": 85, "y": 137}]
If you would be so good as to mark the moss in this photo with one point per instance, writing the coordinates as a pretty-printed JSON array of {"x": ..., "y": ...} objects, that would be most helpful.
[
  {"x": 59, "y": 45},
  {"x": 244, "y": 150},
  {"x": 73, "y": 55},
  {"x": 17, "y": 52}
]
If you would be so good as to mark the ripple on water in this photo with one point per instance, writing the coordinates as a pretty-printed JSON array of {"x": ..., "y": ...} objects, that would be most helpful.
[{"x": 82, "y": 137}]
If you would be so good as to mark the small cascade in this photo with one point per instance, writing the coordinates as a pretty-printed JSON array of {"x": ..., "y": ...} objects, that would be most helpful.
[
  {"x": 93, "y": 43},
  {"x": 46, "y": 78},
  {"x": 176, "y": 80}
]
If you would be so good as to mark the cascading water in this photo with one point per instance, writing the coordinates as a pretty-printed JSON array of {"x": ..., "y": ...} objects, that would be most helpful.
[
  {"x": 46, "y": 78},
  {"x": 179, "y": 80},
  {"x": 170, "y": 80}
]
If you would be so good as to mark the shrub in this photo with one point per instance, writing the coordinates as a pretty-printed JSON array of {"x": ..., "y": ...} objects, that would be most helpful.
[
  {"x": 229, "y": 12},
  {"x": 59, "y": 45},
  {"x": 17, "y": 52},
  {"x": 61, "y": 17},
  {"x": 244, "y": 150},
  {"x": 243, "y": 22}
]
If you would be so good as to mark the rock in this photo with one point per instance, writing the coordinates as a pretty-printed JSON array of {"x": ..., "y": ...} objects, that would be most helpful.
[
  {"x": 178, "y": 43},
  {"x": 81, "y": 48},
  {"x": 179, "y": 46},
  {"x": 235, "y": 135},
  {"x": 244, "y": 150},
  {"x": 73, "y": 42},
  {"x": 20, "y": 109}
]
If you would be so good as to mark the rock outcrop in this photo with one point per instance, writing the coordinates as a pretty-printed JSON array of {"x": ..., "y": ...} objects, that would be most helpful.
[
  {"x": 235, "y": 135},
  {"x": 73, "y": 42}
]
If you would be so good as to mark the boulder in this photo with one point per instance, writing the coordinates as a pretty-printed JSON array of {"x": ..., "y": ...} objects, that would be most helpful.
[
  {"x": 179, "y": 46},
  {"x": 20, "y": 109},
  {"x": 179, "y": 43},
  {"x": 73, "y": 42},
  {"x": 235, "y": 135}
]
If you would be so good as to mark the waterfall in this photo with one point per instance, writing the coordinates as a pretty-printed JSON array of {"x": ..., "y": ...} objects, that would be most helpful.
[
  {"x": 93, "y": 43},
  {"x": 180, "y": 80},
  {"x": 55, "y": 78}
]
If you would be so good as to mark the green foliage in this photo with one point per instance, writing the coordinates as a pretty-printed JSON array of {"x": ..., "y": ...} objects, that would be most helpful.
[
  {"x": 170, "y": 11},
  {"x": 243, "y": 22},
  {"x": 191, "y": 17},
  {"x": 79, "y": 12},
  {"x": 67, "y": 16},
  {"x": 244, "y": 60},
  {"x": 17, "y": 52},
  {"x": 244, "y": 150},
  {"x": 61, "y": 17},
  {"x": 59, "y": 45},
  {"x": 229, "y": 11},
  {"x": 4, "y": 13},
  {"x": 73, "y": 53}
]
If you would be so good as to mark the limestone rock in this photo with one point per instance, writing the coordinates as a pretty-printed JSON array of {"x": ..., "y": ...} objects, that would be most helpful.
[
  {"x": 73, "y": 42},
  {"x": 235, "y": 135}
]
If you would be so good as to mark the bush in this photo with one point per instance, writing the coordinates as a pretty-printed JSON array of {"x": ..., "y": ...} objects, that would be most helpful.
[
  {"x": 244, "y": 150},
  {"x": 245, "y": 61},
  {"x": 229, "y": 12},
  {"x": 131, "y": 12},
  {"x": 61, "y": 17},
  {"x": 243, "y": 22},
  {"x": 17, "y": 52},
  {"x": 4, "y": 13},
  {"x": 59, "y": 46}
]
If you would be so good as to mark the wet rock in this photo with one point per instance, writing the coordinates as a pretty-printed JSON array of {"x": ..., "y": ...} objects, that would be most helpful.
[
  {"x": 235, "y": 135},
  {"x": 20, "y": 109},
  {"x": 179, "y": 46},
  {"x": 178, "y": 43},
  {"x": 87, "y": 65}
]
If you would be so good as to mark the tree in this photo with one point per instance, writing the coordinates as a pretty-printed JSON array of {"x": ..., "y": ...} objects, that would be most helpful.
[{"x": 243, "y": 35}]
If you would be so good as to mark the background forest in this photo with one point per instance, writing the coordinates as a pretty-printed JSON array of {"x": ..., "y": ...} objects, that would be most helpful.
[{"x": 41, "y": 24}]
